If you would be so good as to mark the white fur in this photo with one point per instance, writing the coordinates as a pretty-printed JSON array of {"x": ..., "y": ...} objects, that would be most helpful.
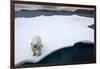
[{"x": 36, "y": 46}]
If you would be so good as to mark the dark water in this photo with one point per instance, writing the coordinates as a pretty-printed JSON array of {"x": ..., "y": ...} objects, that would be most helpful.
[
  {"x": 92, "y": 26},
  {"x": 80, "y": 52},
  {"x": 34, "y": 13}
]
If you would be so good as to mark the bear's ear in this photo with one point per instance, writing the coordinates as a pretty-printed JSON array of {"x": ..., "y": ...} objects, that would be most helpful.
[{"x": 31, "y": 43}]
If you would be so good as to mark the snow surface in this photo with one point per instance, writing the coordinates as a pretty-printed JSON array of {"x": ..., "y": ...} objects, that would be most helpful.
[{"x": 56, "y": 32}]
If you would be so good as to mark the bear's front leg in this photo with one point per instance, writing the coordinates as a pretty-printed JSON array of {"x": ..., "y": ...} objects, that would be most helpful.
[
  {"x": 39, "y": 52},
  {"x": 34, "y": 53}
]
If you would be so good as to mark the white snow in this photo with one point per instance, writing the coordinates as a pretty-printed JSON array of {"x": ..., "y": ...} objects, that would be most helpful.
[{"x": 56, "y": 32}]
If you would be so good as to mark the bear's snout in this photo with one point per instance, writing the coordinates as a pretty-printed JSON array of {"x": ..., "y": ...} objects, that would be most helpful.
[{"x": 35, "y": 46}]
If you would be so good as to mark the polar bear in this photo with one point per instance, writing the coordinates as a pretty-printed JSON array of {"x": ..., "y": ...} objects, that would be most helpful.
[{"x": 36, "y": 46}]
